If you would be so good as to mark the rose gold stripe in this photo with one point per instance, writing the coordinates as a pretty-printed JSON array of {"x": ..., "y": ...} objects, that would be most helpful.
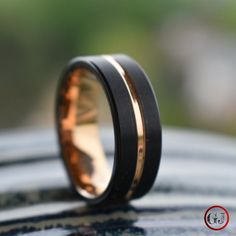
[{"x": 139, "y": 124}]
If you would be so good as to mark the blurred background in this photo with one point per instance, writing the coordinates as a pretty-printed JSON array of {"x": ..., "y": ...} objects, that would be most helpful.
[{"x": 188, "y": 49}]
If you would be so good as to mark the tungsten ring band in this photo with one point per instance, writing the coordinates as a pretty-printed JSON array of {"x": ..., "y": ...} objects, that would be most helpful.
[{"x": 96, "y": 90}]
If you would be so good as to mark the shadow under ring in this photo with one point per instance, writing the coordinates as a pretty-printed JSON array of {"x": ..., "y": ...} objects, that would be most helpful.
[{"x": 136, "y": 124}]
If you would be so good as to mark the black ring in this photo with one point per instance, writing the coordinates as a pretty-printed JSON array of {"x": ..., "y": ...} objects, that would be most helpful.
[{"x": 134, "y": 112}]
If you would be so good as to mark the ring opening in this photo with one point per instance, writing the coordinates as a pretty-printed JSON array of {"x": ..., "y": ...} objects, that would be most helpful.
[{"x": 84, "y": 121}]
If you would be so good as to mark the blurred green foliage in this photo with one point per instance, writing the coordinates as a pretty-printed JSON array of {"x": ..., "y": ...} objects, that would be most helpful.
[{"x": 38, "y": 37}]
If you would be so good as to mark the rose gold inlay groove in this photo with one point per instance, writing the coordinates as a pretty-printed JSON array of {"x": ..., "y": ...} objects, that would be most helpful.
[{"x": 139, "y": 124}]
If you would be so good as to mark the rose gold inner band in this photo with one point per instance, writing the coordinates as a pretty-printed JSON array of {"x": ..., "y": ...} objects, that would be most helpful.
[{"x": 79, "y": 131}]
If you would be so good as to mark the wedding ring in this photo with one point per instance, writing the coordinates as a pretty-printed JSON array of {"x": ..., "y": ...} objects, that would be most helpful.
[{"x": 95, "y": 91}]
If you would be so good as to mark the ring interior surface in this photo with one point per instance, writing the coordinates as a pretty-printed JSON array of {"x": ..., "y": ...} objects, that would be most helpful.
[{"x": 81, "y": 116}]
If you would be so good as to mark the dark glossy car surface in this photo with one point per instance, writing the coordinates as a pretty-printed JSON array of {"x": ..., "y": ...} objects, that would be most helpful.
[{"x": 197, "y": 170}]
